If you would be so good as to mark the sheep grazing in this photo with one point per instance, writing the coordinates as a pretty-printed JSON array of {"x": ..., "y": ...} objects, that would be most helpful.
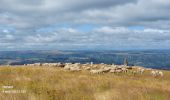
[
  {"x": 74, "y": 69},
  {"x": 100, "y": 68},
  {"x": 96, "y": 71},
  {"x": 112, "y": 71},
  {"x": 35, "y": 64},
  {"x": 161, "y": 73},
  {"x": 125, "y": 70},
  {"x": 61, "y": 65},
  {"x": 153, "y": 73},
  {"x": 140, "y": 70},
  {"x": 105, "y": 70},
  {"x": 84, "y": 66},
  {"x": 129, "y": 68},
  {"x": 94, "y": 66},
  {"x": 87, "y": 68},
  {"x": 67, "y": 67},
  {"x": 156, "y": 73},
  {"x": 134, "y": 72},
  {"x": 116, "y": 71}
]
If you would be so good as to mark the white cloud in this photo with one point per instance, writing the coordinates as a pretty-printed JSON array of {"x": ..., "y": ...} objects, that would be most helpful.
[
  {"x": 111, "y": 19},
  {"x": 104, "y": 37},
  {"x": 6, "y": 31}
]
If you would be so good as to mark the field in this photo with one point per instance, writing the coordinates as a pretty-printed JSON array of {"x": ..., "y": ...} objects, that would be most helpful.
[{"x": 50, "y": 83}]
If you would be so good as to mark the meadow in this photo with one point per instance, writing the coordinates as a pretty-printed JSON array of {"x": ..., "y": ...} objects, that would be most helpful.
[{"x": 51, "y": 83}]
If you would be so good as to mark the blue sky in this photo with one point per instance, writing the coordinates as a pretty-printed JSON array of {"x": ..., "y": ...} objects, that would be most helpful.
[{"x": 85, "y": 25}]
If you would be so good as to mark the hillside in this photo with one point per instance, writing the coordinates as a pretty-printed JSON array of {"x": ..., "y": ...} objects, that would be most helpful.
[{"x": 53, "y": 83}]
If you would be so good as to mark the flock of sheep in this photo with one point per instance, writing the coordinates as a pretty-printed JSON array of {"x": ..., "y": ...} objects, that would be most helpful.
[{"x": 101, "y": 68}]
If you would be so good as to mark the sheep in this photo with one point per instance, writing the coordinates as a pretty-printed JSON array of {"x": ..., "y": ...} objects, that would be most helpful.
[
  {"x": 161, "y": 73},
  {"x": 113, "y": 66},
  {"x": 112, "y": 71},
  {"x": 116, "y": 71},
  {"x": 94, "y": 66},
  {"x": 87, "y": 68},
  {"x": 96, "y": 71},
  {"x": 84, "y": 66},
  {"x": 125, "y": 70},
  {"x": 36, "y": 64},
  {"x": 129, "y": 68},
  {"x": 153, "y": 73},
  {"x": 102, "y": 67},
  {"x": 105, "y": 70},
  {"x": 156, "y": 73},
  {"x": 140, "y": 70},
  {"x": 61, "y": 65},
  {"x": 134, "y": 72},
  {"x": 67, "y": 67},
  {"x": 149, "y": 69},
  {"x": 45, "y": 64},
  {"x": 77, "y": 65},
  {"x": 73, "y": 69}
]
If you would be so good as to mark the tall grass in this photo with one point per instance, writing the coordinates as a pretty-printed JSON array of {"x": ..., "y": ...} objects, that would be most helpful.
[{"x": 49, "y": 83}]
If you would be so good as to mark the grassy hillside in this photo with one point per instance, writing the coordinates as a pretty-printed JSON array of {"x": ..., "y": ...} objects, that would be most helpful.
[{"x": 50, "y": 83}]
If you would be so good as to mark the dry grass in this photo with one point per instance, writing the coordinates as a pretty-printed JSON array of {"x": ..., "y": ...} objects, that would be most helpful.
[{"x": 49, "y": 83}]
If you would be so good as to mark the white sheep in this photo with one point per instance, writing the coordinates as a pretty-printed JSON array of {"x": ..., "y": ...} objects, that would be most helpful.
[
  {"x": 134, "y": 72},
  {"x": 96, "y": 71},
  {"x": 119, "y": 71},
  {"x": 113, "y": 71},
  {"x": 116, "y": 71},
  {"x": 161, "y": 73},
  {"x": 125, "y": 70},
  {"x": 67, "y": 67},
  {"x": 73, "y": 69},
  {"x": 156, "y": 73},
  {"x": 94, "y": 66},
  {"x": 140, "y": 70},
  {"x": 153, "y": 73},
  {"x": 87, "y": 68}
]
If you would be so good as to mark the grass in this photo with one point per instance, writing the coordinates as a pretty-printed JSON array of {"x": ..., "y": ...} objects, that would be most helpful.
[{"x": 49, "y": 83}]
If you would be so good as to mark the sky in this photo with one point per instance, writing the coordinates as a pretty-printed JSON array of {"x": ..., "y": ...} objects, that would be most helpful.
[{"x": 84, "y": 24}]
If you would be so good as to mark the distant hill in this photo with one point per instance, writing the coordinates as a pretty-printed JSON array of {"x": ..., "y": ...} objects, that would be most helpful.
[{"x": 151, "y": 58}]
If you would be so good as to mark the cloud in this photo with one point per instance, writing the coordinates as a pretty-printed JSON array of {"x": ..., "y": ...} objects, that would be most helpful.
[
  {"x": 54, "y": 23},
  {"x": 99, "y": 38},
  {"x": 30, "y": 14}
]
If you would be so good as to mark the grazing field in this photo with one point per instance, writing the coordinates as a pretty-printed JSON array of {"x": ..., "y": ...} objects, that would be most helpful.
[{"x": 51, "y": 83}]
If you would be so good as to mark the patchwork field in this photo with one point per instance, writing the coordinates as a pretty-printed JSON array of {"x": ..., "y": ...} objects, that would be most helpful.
[{"x": 51, "y": 83}]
